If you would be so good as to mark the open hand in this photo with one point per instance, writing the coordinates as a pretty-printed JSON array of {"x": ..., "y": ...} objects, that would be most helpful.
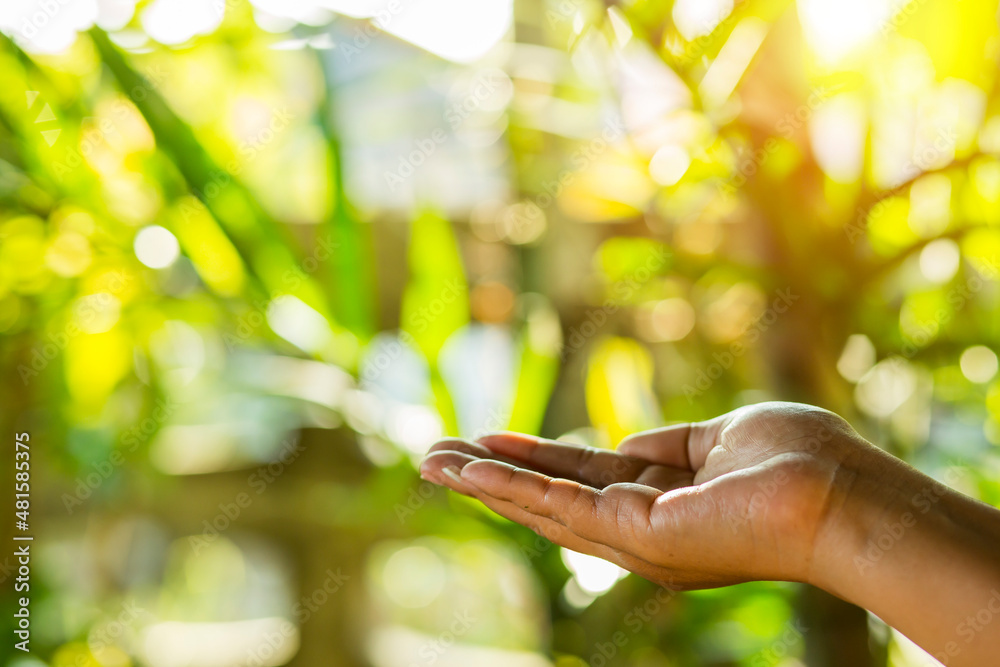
[{"x": 741, "y": 497}]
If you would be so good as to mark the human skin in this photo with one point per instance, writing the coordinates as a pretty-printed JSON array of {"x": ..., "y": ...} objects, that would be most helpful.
[{"x": 774, "y": 491}]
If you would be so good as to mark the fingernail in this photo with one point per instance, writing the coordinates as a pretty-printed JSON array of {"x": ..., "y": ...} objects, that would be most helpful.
[{"x": 454, "y": 473}]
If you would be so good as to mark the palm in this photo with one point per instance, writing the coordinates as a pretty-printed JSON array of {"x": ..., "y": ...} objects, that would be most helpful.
[{"x": 736, "y": 498}]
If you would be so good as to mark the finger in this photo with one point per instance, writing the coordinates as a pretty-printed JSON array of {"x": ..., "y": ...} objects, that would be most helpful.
[
  {"x": 589, "y": 465},
  {"x": 467, "y": 447},
  {"x": 432, "y": 468},
  {"x": 665, "y": 478},
  {"x": 558, "y": 534},
  {"x": 617, "y": 516},
  {"x": 666, "y": 446},
  {"x": 680, "y": 445}
]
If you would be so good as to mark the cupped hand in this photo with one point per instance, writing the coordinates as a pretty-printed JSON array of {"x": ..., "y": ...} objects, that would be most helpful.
[{"x": 744, "y": 496}]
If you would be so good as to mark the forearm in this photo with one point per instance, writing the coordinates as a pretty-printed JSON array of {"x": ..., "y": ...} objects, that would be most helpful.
[{"x": 919, "y": 555}]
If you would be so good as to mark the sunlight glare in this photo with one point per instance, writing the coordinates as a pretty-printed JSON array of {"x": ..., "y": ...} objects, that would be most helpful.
[
  {"x": 695, "y": 18},
  {"x": 177, "y": 21},
  {"x": 979, "y": 364},
  {"x": 835, "y": 28},
  {"x": 299, "y": 324},
  {"x": 669, "y": 164},
  {"x": 46, "y": 27},
  {"x": 939, "y": 260},
  {"x": 156, "y": 247},
  {"x": 430, "y": 24},
  {"x": 728, "y": 68},
  {"x": 837, "y": 133},
  {"x": 595, "y": 575},
  {"x": 857, "y": 358}
]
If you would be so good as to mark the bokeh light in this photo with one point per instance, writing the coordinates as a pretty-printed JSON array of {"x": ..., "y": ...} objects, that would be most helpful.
[{"x": 156, "y": 247}]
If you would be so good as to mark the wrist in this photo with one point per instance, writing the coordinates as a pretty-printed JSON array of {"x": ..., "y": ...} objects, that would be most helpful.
[
  {"x": 895, "y": 539},
  {"x": 874, "y": 504}
]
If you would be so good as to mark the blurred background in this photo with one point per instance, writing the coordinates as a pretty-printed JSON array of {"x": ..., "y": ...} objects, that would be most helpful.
[{"x": 256, "y": 256}]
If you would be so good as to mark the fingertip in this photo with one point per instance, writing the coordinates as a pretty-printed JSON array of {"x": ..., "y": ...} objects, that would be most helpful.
[
  {"x": 666, "y": 445},
  {"x": 509, "y": 443},
  {"x": 434, "y": 463},
  {"x": 484, "y": 473},
  {"x": 453, "y": 473},
  {"x": 494, "y": 434},
  {"x": 448, "y": 444}
]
